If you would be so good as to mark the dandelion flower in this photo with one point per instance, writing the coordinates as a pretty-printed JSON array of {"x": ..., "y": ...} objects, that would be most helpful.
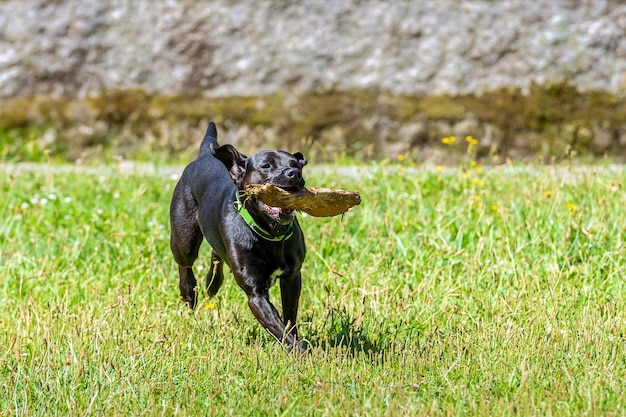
[
  {"x": 476, "y": 198},
  {"x": 473, "y": 164},
  {"x": 571, "y": 207},
  {"x": 548, "y": 193},
  {"x": 209, "y": 306},
  {"x": 468, "y": 139},
  {"x": 439, "y": 168},
  {"x": 494, "y": 207}
]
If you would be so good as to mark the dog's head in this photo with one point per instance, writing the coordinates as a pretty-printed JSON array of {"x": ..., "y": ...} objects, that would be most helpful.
[{"x": 279, "y": 168}]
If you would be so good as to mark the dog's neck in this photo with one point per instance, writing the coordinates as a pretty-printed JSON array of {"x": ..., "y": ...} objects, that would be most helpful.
[{"x": 272, "y": 232}]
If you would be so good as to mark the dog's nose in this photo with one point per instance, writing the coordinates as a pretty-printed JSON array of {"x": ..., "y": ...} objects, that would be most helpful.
[{"x": 293, "y": 174}]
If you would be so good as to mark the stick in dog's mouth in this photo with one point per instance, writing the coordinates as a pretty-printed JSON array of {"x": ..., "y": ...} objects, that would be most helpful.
[{"x": 318, "y": 202}]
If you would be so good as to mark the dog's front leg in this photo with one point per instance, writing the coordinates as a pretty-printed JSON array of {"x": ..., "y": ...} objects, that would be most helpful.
[
  {"x": 290, "y": 288},
  {"x": 269, "y": 318}
]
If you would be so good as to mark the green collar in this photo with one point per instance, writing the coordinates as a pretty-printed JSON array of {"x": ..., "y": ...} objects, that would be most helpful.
[{"x": 247, "y": 217}]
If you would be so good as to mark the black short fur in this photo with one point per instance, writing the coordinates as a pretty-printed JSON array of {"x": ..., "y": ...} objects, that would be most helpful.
[{"x": 203, "y": 208}]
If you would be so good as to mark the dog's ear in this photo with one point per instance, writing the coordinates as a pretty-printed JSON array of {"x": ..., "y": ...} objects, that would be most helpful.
[
  {"x": 234, "y": 161},
  {"x": 301, "y": 159}
]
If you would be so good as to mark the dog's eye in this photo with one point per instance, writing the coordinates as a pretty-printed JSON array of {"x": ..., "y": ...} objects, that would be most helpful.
[{"x": 266, "y": 166}]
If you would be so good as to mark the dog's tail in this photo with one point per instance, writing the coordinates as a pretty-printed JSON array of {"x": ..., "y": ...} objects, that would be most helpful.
[{"x": 210, "y": 139}]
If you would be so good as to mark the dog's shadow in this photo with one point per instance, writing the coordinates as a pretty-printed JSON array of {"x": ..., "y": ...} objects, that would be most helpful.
[{"x": 340, "y": 330}]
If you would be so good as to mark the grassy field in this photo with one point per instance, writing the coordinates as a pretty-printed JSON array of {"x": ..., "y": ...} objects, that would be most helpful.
[{"x": 450, "y": 291}]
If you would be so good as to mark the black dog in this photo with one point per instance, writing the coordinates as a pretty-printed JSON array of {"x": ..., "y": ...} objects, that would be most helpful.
[{"x": 259, "y": 243}]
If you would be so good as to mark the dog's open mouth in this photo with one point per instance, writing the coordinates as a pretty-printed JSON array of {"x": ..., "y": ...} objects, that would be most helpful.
[{"x": 274, "y": 211}]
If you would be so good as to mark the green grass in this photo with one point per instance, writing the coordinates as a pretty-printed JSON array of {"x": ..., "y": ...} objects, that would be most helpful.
[{"x": 452, "y": 292}]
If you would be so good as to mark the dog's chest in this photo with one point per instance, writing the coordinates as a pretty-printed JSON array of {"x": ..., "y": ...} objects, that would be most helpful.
[{"x": 275, "y": 275}]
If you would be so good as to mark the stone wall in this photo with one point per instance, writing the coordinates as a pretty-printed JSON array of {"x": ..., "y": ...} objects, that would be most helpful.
[
  {"x": 230, "y": 47},
  {"x": 375, "y": 78}
]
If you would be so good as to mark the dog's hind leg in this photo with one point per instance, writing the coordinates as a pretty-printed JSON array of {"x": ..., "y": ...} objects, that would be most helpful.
[
  {"x": 185, "y": 240},
  {"x": 187, "y": 285},
  {"x": 215, "y": 277}
]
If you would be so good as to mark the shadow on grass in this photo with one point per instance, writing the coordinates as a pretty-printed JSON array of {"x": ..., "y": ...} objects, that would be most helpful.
[{"x": 340, "y": 330}]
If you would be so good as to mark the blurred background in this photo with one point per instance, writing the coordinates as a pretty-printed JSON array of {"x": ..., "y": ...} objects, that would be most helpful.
[{"x": 101, "y": 81}]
